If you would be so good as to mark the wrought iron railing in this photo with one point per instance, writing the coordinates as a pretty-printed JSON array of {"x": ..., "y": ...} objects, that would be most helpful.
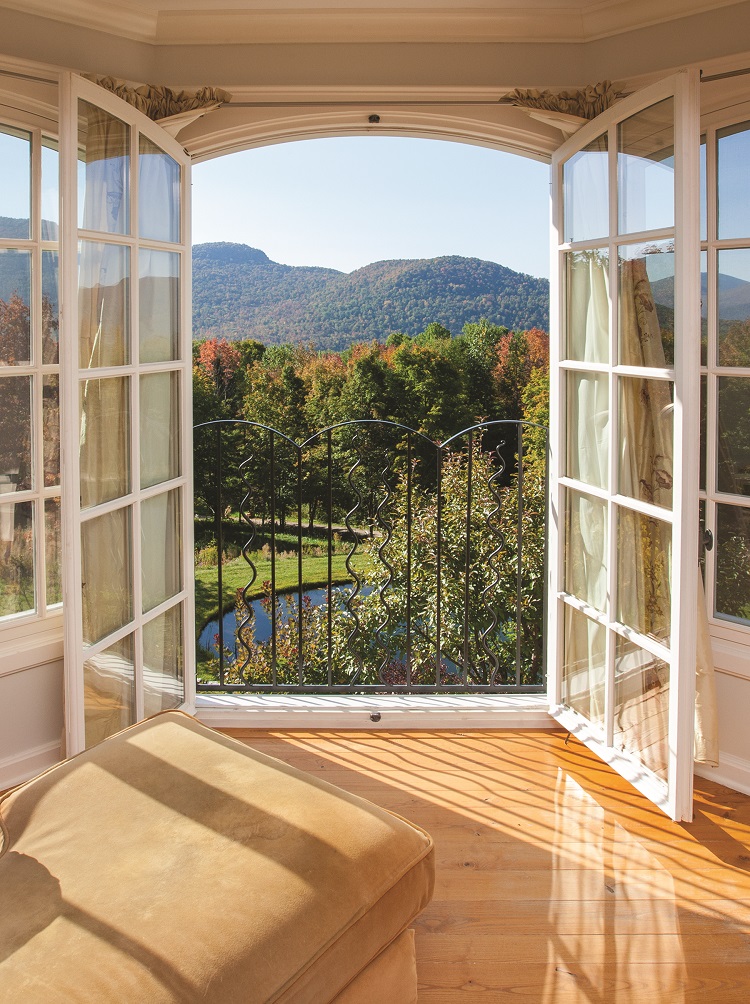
[{"x": 441, "y": 549}]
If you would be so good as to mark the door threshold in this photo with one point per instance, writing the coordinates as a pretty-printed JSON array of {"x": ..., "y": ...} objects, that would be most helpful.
[{"x": 375, "y": 711}]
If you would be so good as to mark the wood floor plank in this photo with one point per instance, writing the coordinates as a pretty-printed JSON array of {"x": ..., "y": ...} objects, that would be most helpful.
[{"x": 557, "y": 883}]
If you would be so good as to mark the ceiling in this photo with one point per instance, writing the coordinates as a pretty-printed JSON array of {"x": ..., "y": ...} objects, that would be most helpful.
[{"x": 189, "y": 22}]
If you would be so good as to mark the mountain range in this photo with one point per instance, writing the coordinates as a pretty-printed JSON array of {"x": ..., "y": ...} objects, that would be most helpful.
[{"x": 238, "y": 292}]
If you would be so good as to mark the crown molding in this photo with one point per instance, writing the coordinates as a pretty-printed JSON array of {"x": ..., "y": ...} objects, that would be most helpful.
[{"x": 550, "y": 23}]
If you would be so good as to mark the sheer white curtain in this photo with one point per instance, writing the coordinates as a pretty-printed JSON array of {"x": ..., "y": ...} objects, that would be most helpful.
[{"x": 588, "y": 421}]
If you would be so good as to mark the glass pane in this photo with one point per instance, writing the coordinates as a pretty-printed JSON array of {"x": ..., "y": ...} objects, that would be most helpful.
[
  {"x": 109, "y": 690},
  {"x": 586, "y": 193},
  {"x": 50, "y": 190},
  {"x": 588, "y": 306},
  {"x": 732, "y": 562},
  {"x": 734, "y": 436},
  {"x": 161, "y": 547},
  {"x": 105, "y": 440},
  {"x": 584, "y": 666},
  {"x": 15, "y": 191},
  {"x": 704, "y": 308},
  {"x": 104, "y": 171},
  {"x": 103, "y": 304},
  {"x": 160, "y": 428},
  {"x": 15, "y": 432},
  {"x": 733, "y": 179},
  {"x": 16, "y": 553},
  {"x": 703, "y": 191},
  {"x": 50, "y": 307},
  {"x": 734, "y": 307},
  {"x": 642, "y": 706},
  {"x": 163, "y": 662},
  {"x": 588, "y": 424},
  {"x": 644, "y": 560},
  {"x": 646, "y": 448},
  {"x": 51, "y": 430},
  {"x": 15, "y": 315},
  {"x": 586, "y": 549},
  {"x": 701, "y": 544},
  {"x": 704, "y": 441},
  {"x": 53, "y": 550},
  {"x": 158, "y": 193},
  {"x": 159, "y": 308},
  {"x": 646, "y": 305},
  {"x": 645, "y": 169},
  {"x": 106, "y": 574}
]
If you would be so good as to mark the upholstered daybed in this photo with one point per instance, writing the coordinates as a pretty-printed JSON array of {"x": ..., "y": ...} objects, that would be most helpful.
[{"x": 170, "y": 863}]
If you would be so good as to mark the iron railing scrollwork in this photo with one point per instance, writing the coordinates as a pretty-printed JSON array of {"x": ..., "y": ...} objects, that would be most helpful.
[{"x": 429, "y": 558}]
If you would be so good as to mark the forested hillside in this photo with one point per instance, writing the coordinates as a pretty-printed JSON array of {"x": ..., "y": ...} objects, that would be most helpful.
[{"x": 239, "y": 293}]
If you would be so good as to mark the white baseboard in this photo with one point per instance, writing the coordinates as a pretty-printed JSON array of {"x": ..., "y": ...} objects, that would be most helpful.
[
  {"x": 733, "y": 771},
  {"x": 22, "y": 766},
  {"x": 356, "y": 711}
]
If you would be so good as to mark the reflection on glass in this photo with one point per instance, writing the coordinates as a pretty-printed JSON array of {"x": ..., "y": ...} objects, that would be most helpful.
[
  {"x": 15, "y": 192},
  {"x": 104, "y": 440},
  {"x": 584, "y": 666},
  {"x": 642, "y": 706},
  {"x": 15, "y": 313},
  {"x": 703, "y": 191},
  {"x": 50, "y": 190},
  {"x": 586, "y": 193},
  {"x": 644, "y": 560},
  {"x": 51, "y": 429},
  {"x": 16, "y": 553},
  {"x": 704, "y": 440},
  {"x": 15, "y": 433},
  {"x": 109, "y": 690},
  {"x": 161, "y": 548},
  {"x": 646, "y": 314},
  {"x": 733, "y": 156},
  {"x": 588, "y": 306},
  {"x": 104, "y": 171},
  {"x": 732, "y": 600},
  {"x": 646, "y": 450},
  {"x": 53, "y": 550},
  {"x": 701, "y": 532},
  {"x": 734, "y": 436},
  {"x": 103, "y": 304},
  {"x": 159, "y": 305},
  {"x": 163, "y": 662},
  {"x": 158, "y": 193},
  {"x": 160, "y": 440},
  {"x": 704, "y": 308},
  {"x": 645, "y": 169},
  {"x": 106, "y": 574},
  {"x": 734, "y": 307},
  {"x": 588, "y": 424},
  {"x": 50, "y": 307},
  {"x": 586, "y": 549}
]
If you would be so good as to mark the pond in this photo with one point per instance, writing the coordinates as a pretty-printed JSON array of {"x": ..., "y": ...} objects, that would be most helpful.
[{"x": 208, "y": 638}]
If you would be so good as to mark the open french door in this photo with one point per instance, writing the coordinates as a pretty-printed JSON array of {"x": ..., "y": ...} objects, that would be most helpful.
[
  {"x": 624, "y": 417},
  {"x": 127, "y": 489}
]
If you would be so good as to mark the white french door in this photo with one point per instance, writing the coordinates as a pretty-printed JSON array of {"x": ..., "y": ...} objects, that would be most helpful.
[
  {"x": 126, "y": 416},
  {"x": 624, "y": 418}
]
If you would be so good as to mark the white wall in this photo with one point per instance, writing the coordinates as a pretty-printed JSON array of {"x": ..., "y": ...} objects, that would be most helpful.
[
  {"x": 732, "y": 664},
  {"x": 31, "y": 720}
]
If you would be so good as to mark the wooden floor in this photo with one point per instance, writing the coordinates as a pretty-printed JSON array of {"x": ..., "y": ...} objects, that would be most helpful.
[{"x": 556, "y": 881}]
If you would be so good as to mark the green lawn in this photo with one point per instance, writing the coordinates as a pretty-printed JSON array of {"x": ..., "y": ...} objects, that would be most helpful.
[{"x": 237, "y": 574}]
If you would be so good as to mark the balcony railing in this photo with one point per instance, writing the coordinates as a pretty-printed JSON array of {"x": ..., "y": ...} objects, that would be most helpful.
[{"x": 427, "y": 559}]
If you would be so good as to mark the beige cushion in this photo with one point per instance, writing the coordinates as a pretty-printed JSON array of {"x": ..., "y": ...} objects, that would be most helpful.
[{"x": 170, "y": 863}]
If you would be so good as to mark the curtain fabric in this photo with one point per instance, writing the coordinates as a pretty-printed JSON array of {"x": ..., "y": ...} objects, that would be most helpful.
[{"x": 646, "y": 473}]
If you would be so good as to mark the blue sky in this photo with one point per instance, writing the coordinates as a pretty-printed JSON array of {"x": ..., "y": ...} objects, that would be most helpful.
[{"x": 344, "y": 203}]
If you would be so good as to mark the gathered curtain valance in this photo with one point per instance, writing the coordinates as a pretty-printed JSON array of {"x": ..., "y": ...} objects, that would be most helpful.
[
  {"x": 587, "y": 103},
  {"x": 159, "y": 102}
]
